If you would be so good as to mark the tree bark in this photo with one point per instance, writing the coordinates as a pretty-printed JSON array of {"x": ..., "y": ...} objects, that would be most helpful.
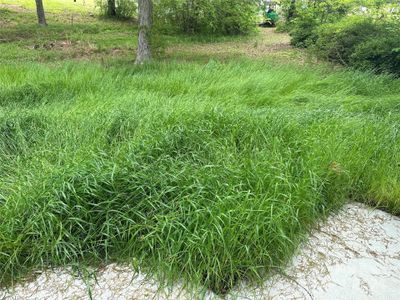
[
  {"x": 40, "y": 13},
  {"x": 145, "y": 24},
  {"x": 111, "y": 11}
]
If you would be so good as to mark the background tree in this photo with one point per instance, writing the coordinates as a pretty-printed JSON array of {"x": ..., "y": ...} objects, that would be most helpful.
[
  {"x": 145, "y": 24},
  {"x": 111, "y": 10},
  {"x": 40, "y": 13}
]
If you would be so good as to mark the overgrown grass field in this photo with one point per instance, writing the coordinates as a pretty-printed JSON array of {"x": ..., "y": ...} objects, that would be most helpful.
[{"x": 208, "y": 171}]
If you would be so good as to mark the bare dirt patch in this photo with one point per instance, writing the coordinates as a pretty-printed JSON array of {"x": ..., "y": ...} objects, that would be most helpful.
[
  {"x": 14, "y": 7},
  {"x": 62, "y": 45},
  {"x": 268, "y": 44},
  {"x": 79, "y": 50}
]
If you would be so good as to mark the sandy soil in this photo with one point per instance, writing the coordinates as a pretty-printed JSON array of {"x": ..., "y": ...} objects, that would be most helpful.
[{"x": 353, "y": 255}]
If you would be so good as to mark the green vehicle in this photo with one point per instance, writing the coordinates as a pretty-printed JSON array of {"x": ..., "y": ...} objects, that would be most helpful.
[{"x": 271, "y": 17}]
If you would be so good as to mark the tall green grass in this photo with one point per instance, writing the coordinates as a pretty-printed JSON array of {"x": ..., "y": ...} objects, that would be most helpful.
[{"x": 211, "y": 173}]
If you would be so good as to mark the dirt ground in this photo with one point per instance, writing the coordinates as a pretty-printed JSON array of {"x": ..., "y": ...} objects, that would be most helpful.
[
  {"x": 268, "y": 44},
  {"x": 353, "y": 255}
]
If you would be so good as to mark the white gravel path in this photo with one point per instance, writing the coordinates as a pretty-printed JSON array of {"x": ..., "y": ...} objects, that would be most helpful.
[{"x": 354, "y": 255}]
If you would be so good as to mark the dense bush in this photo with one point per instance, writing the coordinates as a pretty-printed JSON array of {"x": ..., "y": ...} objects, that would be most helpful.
[
  {"x": 124, "y": 9},
  {"x": 362, "y": 43},
  {"x": 381, "y": 54},
  {"x": 341, "y": 33},
  {"x": 206, "y": 16},
  {"x": 306, "y": 16},
  {"x": 302, "y": 31}
]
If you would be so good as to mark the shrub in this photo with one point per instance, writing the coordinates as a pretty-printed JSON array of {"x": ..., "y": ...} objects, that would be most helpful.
[
  {"x": 337, "y": 41},
  {"x": 380, "y": 54},
  {"x": 303, "y": 31},
  {"x": 311, "y": 14},
  {"x": 362, "y": 43},
  {"x": 206, "y": 16}
]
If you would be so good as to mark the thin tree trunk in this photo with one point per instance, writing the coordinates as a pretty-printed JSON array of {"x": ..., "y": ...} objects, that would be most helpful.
[
  {"x": 40, "y": 13},
  {"x": 111, "y": 11},
  {"x": 292, "y": 10},
  {"x": 145, "y": 24}
]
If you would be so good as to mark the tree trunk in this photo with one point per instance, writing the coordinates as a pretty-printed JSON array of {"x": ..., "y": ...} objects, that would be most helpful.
[
  {"x": 145, "y": 24},
  {"x": 111, "y": 11},
  {"x": 292, "y": 10},
  {"x": 40, "y": 13}
]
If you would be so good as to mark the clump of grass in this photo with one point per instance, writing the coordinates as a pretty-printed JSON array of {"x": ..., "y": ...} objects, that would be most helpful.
[
  {"x": 211, "y": 173},
  {"x": 20, "y": 133}
]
